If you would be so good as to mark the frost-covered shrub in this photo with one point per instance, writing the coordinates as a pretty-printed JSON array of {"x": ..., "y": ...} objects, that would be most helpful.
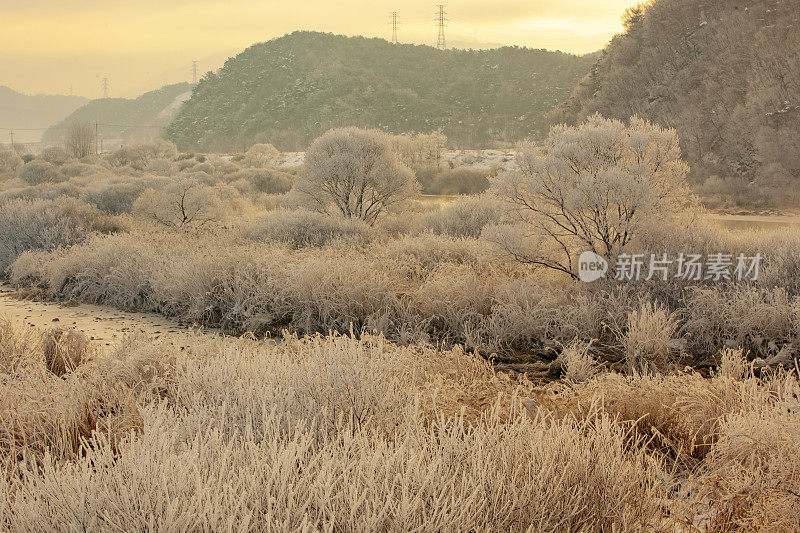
[
  {"x": 206, "y": 167},
  {"x": 135, "y": 157},
  {"x": 115, "y": 195},
  {"x": 356, "y": 173},
  {"x": 185, "y": 203},
  {"x": 43, "y": 191},
  {"x": 37, "y": 172},
  {"x": 265, "y": 180},
  {"x": 591, "y": 187},
  {"x": 465, "y": 217},
  {"x": 224, "y": 168},
  {"x": 260, "y": 155},
  {"x": 72, "y": 170},
  {"x": 161, "y": 149},
  {"x": 160, "y": 167},
  {"x": 55, "y": 155},
  {"x": 43, "y": 225},
  {"x": 10, "y": 161},
  {"x": 301, "y": 228},
  {"x": 454, "y": 181}
]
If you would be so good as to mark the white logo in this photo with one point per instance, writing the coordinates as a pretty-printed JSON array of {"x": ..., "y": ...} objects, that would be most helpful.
[{"x": 591, "y": 267}]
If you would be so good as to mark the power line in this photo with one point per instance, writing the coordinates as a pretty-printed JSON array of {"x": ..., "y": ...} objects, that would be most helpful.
[{"x": 441, "y": 21}]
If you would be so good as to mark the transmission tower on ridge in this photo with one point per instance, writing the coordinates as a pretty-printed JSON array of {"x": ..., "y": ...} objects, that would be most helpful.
[
  {"x": 441, "y": 44},
  {"x": 105, "y": 87},
  {"x": 194, "y": 72},
  {"x": 394, "y": 23}
]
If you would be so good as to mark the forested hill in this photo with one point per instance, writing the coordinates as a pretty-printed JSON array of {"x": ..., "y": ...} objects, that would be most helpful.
[
  {"x": 726, "y": 75},
  {"x": 131, "y": 119},
  {"x": 290, "y": 90}
]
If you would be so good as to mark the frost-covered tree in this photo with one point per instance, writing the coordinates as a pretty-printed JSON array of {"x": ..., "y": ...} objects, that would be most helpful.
[
  {"x": 80, "y": 140},
  {"x": 356, "y": 173},
  {"x": 591, "y": 187},
  {"x": 421, "y": 151},
  {"x": 185, "y": 203}
]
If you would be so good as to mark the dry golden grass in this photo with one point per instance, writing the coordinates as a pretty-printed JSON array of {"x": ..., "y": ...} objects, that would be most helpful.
[
  {"x": 65, "y": 350},
  {"x": 322, "y": 433},
  {"x": 648, "y": 333},
  {"x": 314, "y": 434},
  {"x": 55, "y": 391}
]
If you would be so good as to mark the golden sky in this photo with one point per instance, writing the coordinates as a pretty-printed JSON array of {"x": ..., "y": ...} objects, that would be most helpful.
[{"x": 48, "y": 46}]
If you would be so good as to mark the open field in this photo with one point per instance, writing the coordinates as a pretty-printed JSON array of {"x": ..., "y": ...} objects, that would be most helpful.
[
  {"x": 440, "y": 365},
  {"x": 746, "y": 222}
]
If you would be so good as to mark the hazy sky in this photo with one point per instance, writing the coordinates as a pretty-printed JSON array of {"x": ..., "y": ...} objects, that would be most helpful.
[{"x": 46, "y": 46}]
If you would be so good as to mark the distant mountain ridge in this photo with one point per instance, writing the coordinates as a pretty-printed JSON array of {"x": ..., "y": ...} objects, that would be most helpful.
[
  {"x": 129, "y": 119},
  {"x": 289, "y": 90},
  {"x": 31, "y": 114}
]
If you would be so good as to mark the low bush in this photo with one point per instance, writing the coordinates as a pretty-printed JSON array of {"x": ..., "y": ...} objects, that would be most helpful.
[
  {"x": 55, "y": 155},
  {"x": 114, "y": 195},
  {"x": 43, "y": 191},
  {"x": 183, "y": 203},
  {"x": 44, "y": 225},
  {"x": 10, "y": 161},
  {"x": 454, "y": 181},
  {"x": 465, "y": 217},
  {"x": 263, "y": 180},
  {"x": 301, "y": 228},
  {"x": 261, "y": 155},
  {"x": 37, "y": 172}
]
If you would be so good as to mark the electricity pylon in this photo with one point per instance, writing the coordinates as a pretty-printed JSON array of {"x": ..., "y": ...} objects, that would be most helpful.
[
  {"x": 394, "y": 23},
  {"x": 441, "y": 21}
]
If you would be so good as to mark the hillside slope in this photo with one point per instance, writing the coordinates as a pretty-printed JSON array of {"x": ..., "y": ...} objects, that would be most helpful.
[
  {"x": 290, "y": 90},
  {"x": 726, "y": 75},
  {"x": 29, "y": 115},
  {"x": 139, "y": 119}
]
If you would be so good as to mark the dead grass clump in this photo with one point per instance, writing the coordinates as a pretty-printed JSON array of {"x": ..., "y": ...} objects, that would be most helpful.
[
  {"x": 65, "y": 350},
  {"x": 55, "y": 391},
  {"x": 577, "y": 361},
  {"x": 678, "y": 414},
  {"x": 733, "y": 365},
  {"x": 18, "y": 349},
  {"x": 649, "y": 331},
  {"x": 42, "y": 414},
  {"x": 747, "y": 317},
  {"x": 301, "y": 228},
  {"x": 753, "y": 470}
]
